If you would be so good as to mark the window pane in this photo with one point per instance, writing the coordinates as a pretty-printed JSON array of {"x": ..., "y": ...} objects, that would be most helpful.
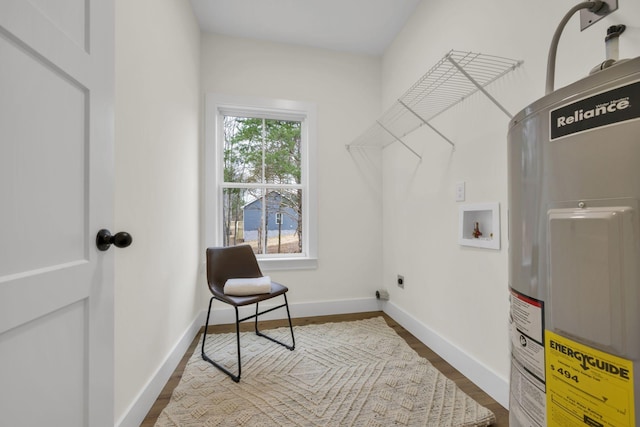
[
  {"x": 234, "y": 201},
  {"x": 243, "y": 143},
  {"x": 282, "y": 152},
  {"x": 248, "y": 213},
  {"x": 262, "y": 150}
]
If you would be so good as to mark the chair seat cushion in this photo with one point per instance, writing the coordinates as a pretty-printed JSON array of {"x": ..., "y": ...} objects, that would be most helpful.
[
  {"x": 276, "y": 289},
  {"x": 248, "y": 286}
]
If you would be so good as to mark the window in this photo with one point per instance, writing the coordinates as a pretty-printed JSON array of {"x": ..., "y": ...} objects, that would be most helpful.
[{"x": 260, "y": 179}]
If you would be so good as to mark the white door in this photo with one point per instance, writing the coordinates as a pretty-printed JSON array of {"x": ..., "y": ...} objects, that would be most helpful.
[{"x": 56, "y": 164}]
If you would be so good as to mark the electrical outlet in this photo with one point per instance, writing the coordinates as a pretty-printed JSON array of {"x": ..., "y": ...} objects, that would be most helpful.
[{"x": 400, "y": 281}]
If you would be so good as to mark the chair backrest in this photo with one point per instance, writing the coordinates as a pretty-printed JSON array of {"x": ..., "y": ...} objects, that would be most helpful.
[{"x": 231, "y": 262}]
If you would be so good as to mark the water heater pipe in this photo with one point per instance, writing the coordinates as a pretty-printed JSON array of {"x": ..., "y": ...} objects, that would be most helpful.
[
  {"x": 611, "y": 41},
  {"x": 611, "y": 45},
  {"x": 593, "y": 6}
]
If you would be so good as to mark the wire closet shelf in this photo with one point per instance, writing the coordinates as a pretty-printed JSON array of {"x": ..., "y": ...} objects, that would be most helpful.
[{"x": 454, "y": 78}]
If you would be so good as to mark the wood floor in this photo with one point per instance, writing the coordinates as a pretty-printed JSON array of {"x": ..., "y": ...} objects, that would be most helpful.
[{"x": 502, "y": 415}]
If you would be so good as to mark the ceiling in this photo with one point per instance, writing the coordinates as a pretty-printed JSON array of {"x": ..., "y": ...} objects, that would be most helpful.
[{"x": 357, "y": 26}]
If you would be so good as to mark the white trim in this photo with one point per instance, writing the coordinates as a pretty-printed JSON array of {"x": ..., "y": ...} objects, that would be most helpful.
[
  {"x": 141, "y": 405},
  {"x": 262, "y": 107},
  {"x": 490, "y": 382},
  {"x": 287, "y": 263}
]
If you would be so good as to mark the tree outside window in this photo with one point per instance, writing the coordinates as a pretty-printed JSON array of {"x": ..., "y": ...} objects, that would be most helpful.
[{"x": 262, "y": 189}]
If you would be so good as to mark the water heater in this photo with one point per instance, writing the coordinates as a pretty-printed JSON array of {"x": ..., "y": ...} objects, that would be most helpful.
[{"x": 574, "y": 253}]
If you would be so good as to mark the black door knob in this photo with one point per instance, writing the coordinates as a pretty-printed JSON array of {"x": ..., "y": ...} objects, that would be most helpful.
[{"x": 104, "y": 239}]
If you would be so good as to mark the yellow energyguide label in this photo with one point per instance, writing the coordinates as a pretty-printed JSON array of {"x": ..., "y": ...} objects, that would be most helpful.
[{"x": 586, "y": 386}]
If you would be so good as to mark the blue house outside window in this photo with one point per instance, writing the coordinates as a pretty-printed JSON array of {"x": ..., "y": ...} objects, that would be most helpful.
[{"x": 280, "y": 219}]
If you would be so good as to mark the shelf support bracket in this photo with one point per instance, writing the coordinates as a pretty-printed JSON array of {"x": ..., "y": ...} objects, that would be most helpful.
[
  {"x": 480, "y": 88},
  {"x": 398, "y": 139},
  {"x": 427, "y": 123}
]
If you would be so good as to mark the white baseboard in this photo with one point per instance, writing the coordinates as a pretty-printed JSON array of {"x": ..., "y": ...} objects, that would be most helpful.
[
  {"x": 327, "y": 308},
  {"x": 138, "y": 410},
  {"x": 225, "y": 314},
  {"x": 491, "y": 383}
]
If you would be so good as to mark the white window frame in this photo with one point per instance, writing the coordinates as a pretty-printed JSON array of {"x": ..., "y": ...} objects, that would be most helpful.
[{"x": 218, "y": 105}]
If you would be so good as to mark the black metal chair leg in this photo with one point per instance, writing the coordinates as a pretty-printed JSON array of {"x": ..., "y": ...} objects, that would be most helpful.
[
  {"x": 293, "y": 341},
  {"x": 235, "y": 378}
]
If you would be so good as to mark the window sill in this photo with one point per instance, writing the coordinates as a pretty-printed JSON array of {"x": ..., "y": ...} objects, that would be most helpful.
[{"x": 274, "y": 264}]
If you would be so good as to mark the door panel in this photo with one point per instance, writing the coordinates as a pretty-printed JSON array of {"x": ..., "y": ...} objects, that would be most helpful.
[
  {"x": 58, "y": 357},
  {"x": 69, "y": 16},
  {"x": 47, "y": 133}
]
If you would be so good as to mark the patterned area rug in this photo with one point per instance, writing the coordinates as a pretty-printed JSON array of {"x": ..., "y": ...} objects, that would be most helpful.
[{"x": 341, "y": 374}]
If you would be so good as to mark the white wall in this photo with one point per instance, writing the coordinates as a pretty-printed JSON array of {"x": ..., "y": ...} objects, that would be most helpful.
[
  {"x": 346, "y": 91},
  {"x": 460, "y": 293},
  {"x": 157, "y": 146},
  {"x": 401, "y": 211}
]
